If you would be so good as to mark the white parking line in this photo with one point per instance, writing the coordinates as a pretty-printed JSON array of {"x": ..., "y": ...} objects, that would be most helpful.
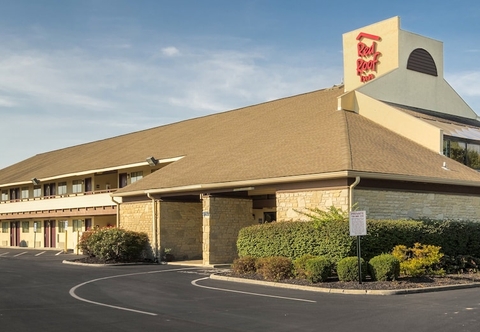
[
  {"x": 40, "y": 253},
  {"x": 194, "y": 282},
  {"x": 59, "y": 253},
  {"x": 73, "y": 289},
  {"x": 5, "y": 253},
  {"x": 20, "y": 254}
]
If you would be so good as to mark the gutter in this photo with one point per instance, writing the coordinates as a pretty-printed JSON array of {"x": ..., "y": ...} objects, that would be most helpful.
[
  {"x": 117, "y": 221},
  {"x": 154, "y": 228},
  {"x": 350, "y": 193}
]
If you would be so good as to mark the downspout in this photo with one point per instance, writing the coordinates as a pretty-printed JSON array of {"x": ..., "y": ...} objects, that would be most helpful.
[
  {"x": 350, "y": 193},
  {"x": 117, "y": 221},
  {"x": 154, "y": 228}
]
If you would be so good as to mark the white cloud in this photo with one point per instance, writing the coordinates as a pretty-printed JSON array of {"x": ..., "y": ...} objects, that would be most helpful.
[{"x": 170, "y": 51}]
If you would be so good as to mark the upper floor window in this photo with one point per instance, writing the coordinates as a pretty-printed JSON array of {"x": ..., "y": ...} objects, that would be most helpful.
[
  {"x": 37, "y": 191},
  {"x": 4, "y": 195},
  {"x": 135, "y": 176},
  {"x": 24, "y": 192},
  {"x": 62, "y": 188},
  {"x": 77, "y": 186}
]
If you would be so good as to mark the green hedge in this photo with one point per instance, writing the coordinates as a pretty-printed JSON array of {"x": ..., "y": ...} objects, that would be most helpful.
[{"x": 332, "y": 240}]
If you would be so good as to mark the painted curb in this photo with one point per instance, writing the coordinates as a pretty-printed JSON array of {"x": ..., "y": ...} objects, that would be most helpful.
[{"x": 346, "y": 291}]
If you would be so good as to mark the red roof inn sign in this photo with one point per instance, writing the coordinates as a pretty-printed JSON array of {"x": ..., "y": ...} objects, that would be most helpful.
[{"x": 367, "y": 56}]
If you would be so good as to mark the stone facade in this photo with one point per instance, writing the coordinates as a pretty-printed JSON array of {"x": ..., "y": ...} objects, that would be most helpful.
[
  {"x": 222, "y": 219},
  {"x": 137, "y": 217},
  {"x": 181, "y": 229},
  {"x": 289, "y": 202},
  {"x": 384, "y": 204}
]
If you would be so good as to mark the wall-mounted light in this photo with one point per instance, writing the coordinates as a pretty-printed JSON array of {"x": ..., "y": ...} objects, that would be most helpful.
[
  {"x": 152, "y": 161},
  {"x": 36, "y": 181}
]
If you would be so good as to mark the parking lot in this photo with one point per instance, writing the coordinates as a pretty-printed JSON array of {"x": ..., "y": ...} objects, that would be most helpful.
[{"x": 38, "y": 292}]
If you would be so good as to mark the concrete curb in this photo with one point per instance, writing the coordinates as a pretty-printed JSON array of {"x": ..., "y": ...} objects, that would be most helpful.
[{"x": 345, "y": 291}]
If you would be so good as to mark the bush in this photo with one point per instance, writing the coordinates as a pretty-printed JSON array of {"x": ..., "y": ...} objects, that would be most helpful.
[
  {"x": 347, "y": 269},
  {"x": 295, "y": 239},
  {"x": 420, "y": 260},
  {"x": 275, "y": 268},
  {"x": 245, "y": 265},
  {"x": 384, "y": 267},
  {"x": 299, "y": 265},
  {"x": 318, "y": 269},
  {"x": 460, "y": 264},
  {"x": 332, "y": 239},
  {"x": 114, "y": 244}
]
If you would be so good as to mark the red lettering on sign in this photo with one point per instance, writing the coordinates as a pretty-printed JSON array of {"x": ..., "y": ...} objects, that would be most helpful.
[{"x": 367, "y": 57}]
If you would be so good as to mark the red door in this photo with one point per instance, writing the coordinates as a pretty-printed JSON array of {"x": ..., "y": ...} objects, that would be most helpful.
[
  {"x": 49, "y": 234},
  {"x": 14, "y": 233}
]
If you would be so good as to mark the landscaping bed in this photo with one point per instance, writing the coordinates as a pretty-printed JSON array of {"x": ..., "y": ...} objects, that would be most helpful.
[{"x": 403, "y": 282}]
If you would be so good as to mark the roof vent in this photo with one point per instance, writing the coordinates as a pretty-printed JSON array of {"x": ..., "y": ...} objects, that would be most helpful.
[{"x": 420, "y": 60}]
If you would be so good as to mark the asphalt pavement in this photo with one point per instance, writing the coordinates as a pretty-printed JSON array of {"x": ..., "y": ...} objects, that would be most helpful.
[{"x": 40, "y": 293}]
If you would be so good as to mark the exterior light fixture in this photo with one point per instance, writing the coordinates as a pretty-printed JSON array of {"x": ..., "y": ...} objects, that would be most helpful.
[
  {"x": 152, "y": 161},
  {"x": 36, "y": 181}
]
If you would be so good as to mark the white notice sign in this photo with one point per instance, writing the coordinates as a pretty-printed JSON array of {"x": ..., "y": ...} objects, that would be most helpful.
[{"x": 358, "y": 223}]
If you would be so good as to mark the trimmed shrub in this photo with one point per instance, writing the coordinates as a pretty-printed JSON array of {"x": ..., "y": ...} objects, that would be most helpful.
[
  {"x": 299, "y": 265},
  {"x": 275, "y": 268},
  {"x": 115, "y": 244},
  {"x": 332, "y": 240},
  {"x": 295, "y": 239},
  {"x": 460, "y": 264},
  {"x": 347, "y": 269},
  {"x": 419, "y": 260},
  {"x": 318, "y": 269},
  {"x": 245, "y": 265},
  {"x": 384, "y": 267}
]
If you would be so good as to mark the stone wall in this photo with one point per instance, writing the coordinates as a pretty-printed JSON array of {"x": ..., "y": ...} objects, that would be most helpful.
[
  {"x": 289, "y": 202},
  {"x": 181, "y": 229},
  {"x": 222, "y": 219},
  {"x": 137, "y": 217},
  {"x": 383, "y": 204}
]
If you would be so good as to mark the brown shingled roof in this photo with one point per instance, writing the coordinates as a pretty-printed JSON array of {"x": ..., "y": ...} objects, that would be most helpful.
[{"x": 299, "y": 135}]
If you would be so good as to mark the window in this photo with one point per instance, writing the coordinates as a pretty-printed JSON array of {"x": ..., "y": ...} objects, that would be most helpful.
[
  {"x": 37, "y": 191},
  {"x": 77, "y": 186},
  {"x": 62, "y": 188},
  {"x": 4, "y": 195},
  {"x": 467, "y": 153},
  {"x": 25, "y": 226},
  {"x": 24, "y": 192},
  {"x": 4, "y": 227},
  {"x": 77, "y": 225},
  {"x": 62, "y": 225},
  {"x": 135, "y": 176}
]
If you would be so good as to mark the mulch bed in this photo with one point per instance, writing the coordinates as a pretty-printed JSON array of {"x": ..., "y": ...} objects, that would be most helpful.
[{"x": 403, "y": 282}]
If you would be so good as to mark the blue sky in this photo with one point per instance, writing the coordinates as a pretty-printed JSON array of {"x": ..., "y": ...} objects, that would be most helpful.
[{"x": 73, "y": 72}]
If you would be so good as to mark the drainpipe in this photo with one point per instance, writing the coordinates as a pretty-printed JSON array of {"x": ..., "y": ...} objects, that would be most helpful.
[
  {"x": 350, "y": 193},
  {"x": 154, "y": 228},
  {"x": 117, "y": 221}
]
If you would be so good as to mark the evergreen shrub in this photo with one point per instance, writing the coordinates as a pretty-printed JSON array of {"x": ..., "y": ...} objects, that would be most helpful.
[
  {"x": 347, "y": 269},
  {"x": 299, "y": 265},
  {"x": 384, "y": 267},
  {"x": 419, "y": 260},
  {"x": 318, "y": 269}
]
